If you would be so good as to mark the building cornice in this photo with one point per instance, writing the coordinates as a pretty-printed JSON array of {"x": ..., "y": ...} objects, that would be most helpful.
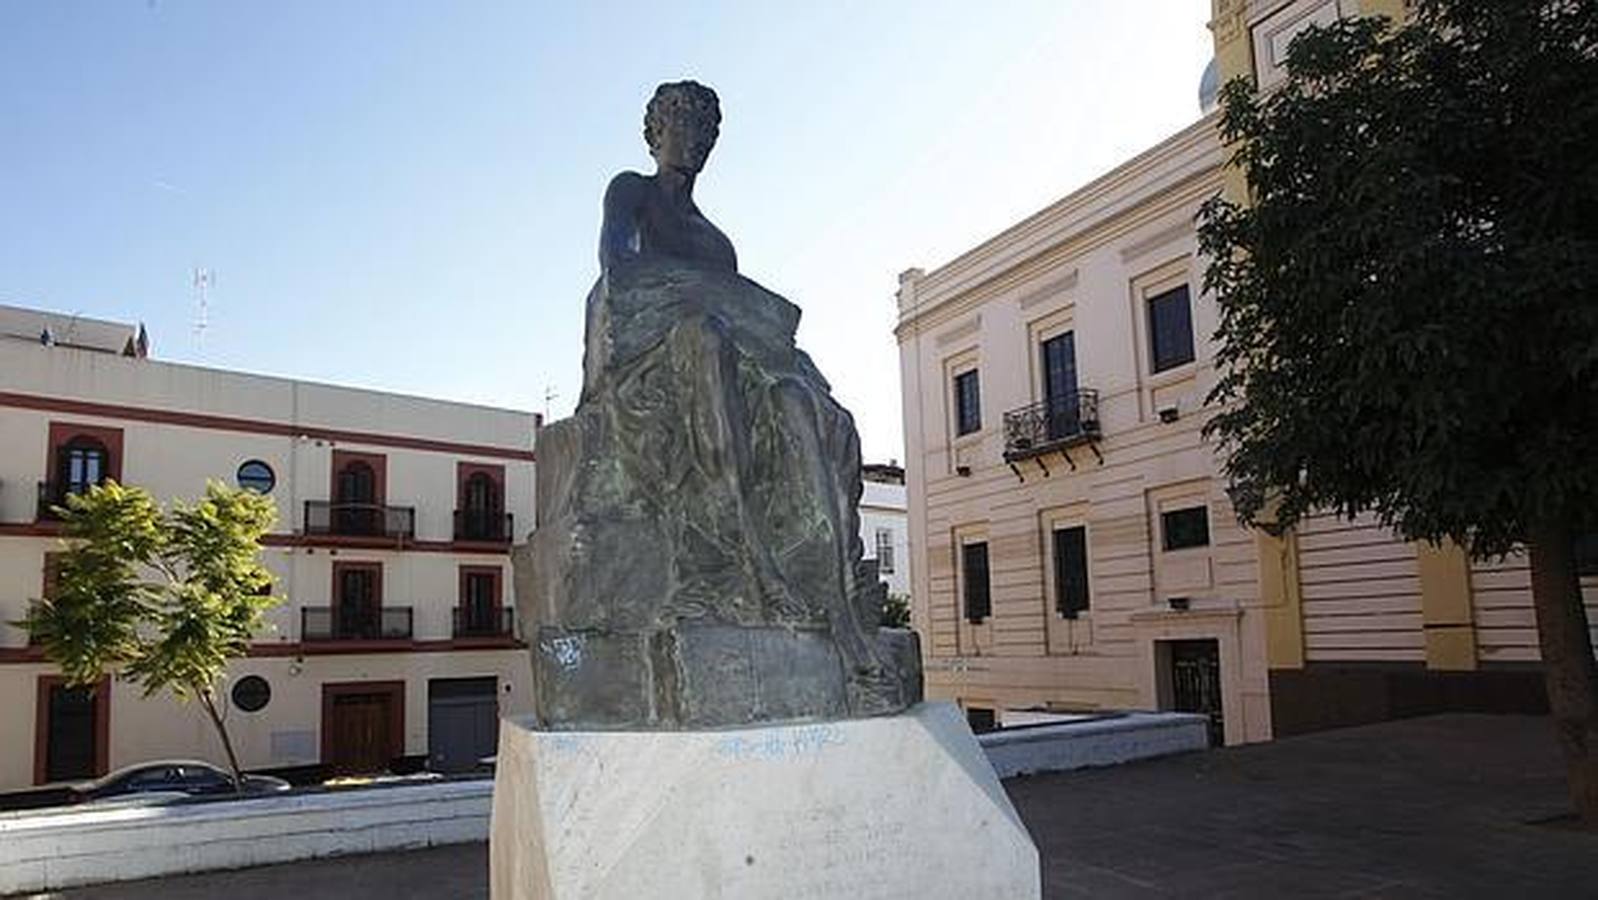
[
  {"x": 254, "y": 426},
  {"x": 1128, "y": 185},
  {"x": 1062, "y": 253}
]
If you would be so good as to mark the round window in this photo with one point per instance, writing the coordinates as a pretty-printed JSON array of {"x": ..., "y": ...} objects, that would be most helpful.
[
  {"x": 257, "y": 476},
  {"x": 251, "y": 693}
]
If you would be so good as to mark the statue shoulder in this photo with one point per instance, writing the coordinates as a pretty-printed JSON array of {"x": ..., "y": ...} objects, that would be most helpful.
[{"x": 625, "y": 188}]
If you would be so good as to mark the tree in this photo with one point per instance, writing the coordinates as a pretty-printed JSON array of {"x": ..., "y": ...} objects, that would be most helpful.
[
  {"x": 164, "y": 599},
  {"x": 1408, "y": 323},
  {"x": 895, "y": 610}
]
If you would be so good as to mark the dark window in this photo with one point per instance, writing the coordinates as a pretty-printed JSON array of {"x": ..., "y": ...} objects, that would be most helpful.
[
  {"x": 967, "y": 403},
  {"x": 1185, "y": 528},
  {"x": 1170, "y": 329},
  {"x": 884, "y": 551},
  {"x": 251, "y": 693},
  {"x": 357, "y": 603},
  {"x": 256, "y": 476},
  {"x": 357, "y": 483},
  {"x": 1587, "y": 554},
  {"x": 1071, "y": 570},
  {"x": 981, "y": 719},
  {"x": 355, "y": 510},
  {"x": 482, "y": 507},
  {"x": 70, "y": 750},
  {"x": 974, "y": 566},
  {"x": 82, "y": 464},
  {"x": 1059, "y": 385},
  {"x": 481, "y": 602},
  {"x": 482, "y": 494}
]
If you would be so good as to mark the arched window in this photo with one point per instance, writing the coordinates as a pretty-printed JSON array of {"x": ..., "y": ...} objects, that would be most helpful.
[{"x": 82, "y": 463}]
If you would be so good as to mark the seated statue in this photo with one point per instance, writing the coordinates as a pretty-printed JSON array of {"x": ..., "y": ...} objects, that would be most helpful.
[{"x": 697, "y": 561}]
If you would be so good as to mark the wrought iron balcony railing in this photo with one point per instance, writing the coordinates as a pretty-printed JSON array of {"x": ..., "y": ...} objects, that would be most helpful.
[
  {"x": 1054, "y": 424},
  {"x": 484, "y": 623},
  {"x": 327, "y": 623},
  {"x": 359, "y": 519},
  {"x": 483, "y": 525},
  {"x": 53, "y": 494}
]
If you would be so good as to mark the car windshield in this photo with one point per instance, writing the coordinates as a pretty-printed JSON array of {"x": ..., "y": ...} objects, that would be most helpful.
[
  {"x": 205, "y": 776},
  {"x": 145, "y": 779}
]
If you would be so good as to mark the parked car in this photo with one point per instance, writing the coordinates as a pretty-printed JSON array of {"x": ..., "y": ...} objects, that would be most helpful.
[{"x": 170, "y": 779}]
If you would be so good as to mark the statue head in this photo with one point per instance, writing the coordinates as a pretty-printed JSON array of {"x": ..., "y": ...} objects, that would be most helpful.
[{"x": 681, "y": 124}]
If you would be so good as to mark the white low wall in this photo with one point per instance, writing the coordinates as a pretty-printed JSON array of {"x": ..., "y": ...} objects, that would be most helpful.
[
  {"x": 79, "y": 845},
  {"x": 1094, "y": 742},
  {"x": 49, "y": 849}
]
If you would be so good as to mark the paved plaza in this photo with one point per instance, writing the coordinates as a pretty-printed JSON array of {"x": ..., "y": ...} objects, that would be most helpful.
[{"x": 1452, "y": 806}]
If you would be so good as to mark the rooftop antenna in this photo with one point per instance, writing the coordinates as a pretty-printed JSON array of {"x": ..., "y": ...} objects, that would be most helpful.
[
  {"x": 549, "y": 394},
  {"x": 204, "y": 280}
]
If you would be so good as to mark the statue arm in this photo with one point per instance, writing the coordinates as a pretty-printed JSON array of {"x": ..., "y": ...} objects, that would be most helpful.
[{"x": 619, "y": 239}]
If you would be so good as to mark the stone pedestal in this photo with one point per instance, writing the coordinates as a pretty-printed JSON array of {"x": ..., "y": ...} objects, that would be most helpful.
[{"x": 901, "y": 806}]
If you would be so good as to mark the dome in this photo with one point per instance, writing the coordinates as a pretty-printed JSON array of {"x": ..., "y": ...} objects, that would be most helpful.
[{"x": 1210, "y": 87}]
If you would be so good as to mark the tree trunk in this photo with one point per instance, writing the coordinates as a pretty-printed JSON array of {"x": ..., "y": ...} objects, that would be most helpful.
[
  {"x": 1568, "y": 666},
  {"x": 209, "y": 702}
]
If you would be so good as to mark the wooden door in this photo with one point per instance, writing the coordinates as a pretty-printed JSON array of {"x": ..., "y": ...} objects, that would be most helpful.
[{"x": 363, "y": 726}]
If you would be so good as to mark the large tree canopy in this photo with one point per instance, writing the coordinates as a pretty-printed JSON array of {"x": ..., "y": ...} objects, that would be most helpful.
[
  {"x": 1409, "y": 323},
  {"x": 1408, "y": 320}
]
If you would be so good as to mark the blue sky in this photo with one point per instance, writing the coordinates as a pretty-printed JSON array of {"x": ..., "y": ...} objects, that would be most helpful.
[{"x": 405, "y": 195}]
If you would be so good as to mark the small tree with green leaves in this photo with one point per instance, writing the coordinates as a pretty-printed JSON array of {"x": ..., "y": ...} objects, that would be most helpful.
[
  {"x": 160, "y": 598},
  {"x": 1409, "y": 299},
  {"x": 896, "y": 610}
]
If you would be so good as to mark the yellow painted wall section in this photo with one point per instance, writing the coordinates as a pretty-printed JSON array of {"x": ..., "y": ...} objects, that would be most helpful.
[
  {"x": 1234, "y": 58},
  {"x": 1397, "y": 10},
  {"x": 1446, "y": 606},
  {"x": 1282, "y": 598},
  {"x": 1229, "y": 27}
]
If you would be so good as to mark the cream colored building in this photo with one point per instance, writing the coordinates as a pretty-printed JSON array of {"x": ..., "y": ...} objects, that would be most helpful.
[
  {"x": 1072, "y": 544},
  {"x": 396, "y": 642}
]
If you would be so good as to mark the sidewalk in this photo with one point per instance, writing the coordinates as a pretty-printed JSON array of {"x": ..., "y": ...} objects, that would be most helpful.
[{"x": 1424, "y": 808}]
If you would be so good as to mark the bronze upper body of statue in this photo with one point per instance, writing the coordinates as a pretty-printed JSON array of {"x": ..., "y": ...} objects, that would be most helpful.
[{"x": 653, "y": 216}]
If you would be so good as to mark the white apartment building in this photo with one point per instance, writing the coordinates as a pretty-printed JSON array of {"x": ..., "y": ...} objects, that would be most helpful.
[
  {"x": 396, "y": 644},
  {"x": 885, "y": 524}
]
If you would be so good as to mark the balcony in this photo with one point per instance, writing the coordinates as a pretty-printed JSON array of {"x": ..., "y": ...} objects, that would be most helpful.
[
  {"x": 484, "y": 525},
  {"x": 324, "y": 623},
  {"x": 499, "y": 622},
  {"x": 51, "y": 495},
  {"x": 1053, "y": 426},
  {"x": 324, "y": 517}
]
